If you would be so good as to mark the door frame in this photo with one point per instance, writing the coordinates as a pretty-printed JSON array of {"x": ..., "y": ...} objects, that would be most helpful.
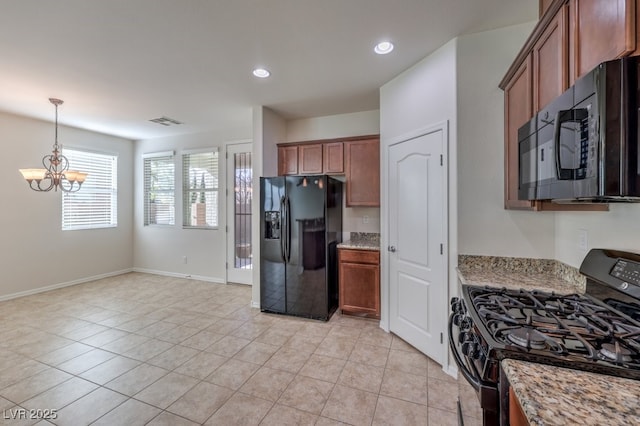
[{"x": 450, "y": 222}]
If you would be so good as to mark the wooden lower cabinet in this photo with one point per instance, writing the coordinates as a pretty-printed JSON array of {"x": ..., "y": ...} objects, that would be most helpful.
[
  {"x": 516, "y": 414},
  {"x": 359, "y": 282}
]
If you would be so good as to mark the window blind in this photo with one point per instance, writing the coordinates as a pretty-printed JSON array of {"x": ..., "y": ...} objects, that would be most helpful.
[
  {"x": 96, "y": 204},
  {"x": 200, "y": 189},
  {"x": 159, "y": 189}
]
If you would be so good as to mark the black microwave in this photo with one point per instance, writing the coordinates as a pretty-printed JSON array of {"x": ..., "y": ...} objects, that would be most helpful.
[{"x": 583, "y": 146}]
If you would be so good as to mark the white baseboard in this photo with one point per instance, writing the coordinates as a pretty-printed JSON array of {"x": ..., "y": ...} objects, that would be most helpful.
[
  {"x": 62, "y": 285},
  {"x": 176, "y": 275},
  {"x": 452, "y": 370},
  {"x": 255, "y": 304}
]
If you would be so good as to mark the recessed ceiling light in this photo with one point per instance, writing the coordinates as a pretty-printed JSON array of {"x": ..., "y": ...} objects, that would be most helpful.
[
  {"x": 261, "y": 73},
  {"x": 383, "y": 47}
]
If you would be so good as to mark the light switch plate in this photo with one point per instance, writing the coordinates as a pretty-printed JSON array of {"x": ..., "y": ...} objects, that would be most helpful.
[{"x": 583, "y": 239}]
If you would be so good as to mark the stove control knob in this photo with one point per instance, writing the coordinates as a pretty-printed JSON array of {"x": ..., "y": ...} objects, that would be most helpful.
[
  {"x": 470, "y": 349},
  {"x": 465, "y": 324},
  {"x": 456, "y": 319}
]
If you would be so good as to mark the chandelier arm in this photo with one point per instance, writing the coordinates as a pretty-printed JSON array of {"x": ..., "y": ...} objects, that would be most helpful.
[{"x": 39, "y": 187}]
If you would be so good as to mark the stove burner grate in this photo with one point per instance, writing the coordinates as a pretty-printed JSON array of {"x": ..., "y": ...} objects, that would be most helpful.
[
  {"x": 616, "y": 353},
  {"x": 527, "y": 338}
]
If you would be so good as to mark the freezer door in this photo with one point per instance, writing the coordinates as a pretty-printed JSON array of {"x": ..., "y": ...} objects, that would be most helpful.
[
  {"x": 306, "y": 246},
  {"x": 272, "y": 250}
]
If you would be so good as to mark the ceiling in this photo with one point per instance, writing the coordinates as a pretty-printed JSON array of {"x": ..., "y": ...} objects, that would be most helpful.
[{"x": 119, "y": 63}]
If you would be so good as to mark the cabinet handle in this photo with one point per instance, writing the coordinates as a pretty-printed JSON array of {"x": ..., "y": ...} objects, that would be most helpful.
[{"x": 392, "y": 249}]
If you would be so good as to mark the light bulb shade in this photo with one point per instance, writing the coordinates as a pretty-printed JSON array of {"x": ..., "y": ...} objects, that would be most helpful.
[
  {"x": 80, "y": 177},
  {"x": 33, "y": 174},
  {"x": 75, "y": 176}
]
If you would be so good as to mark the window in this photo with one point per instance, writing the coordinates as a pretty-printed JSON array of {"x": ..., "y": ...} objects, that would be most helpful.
[
  {"x": 200, "y": 189},
  {"x": 159, "y": 189},
  {"x": 96, "y": 204}
]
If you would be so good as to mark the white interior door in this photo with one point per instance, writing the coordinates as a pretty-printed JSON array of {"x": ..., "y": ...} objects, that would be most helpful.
[
  {"x": 417, "y": 197},
  {"x": 239, "y": 199}
]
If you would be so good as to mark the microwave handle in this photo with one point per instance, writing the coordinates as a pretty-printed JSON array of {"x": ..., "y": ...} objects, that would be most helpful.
[{"x": 565, "y": 116}]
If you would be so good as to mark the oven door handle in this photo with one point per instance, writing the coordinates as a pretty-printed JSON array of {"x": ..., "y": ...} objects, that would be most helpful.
[{"x": 472, "y": 379}]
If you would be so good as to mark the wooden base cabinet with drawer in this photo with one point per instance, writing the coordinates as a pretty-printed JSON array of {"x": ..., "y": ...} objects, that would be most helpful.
[{"x": 359, "y": 282}]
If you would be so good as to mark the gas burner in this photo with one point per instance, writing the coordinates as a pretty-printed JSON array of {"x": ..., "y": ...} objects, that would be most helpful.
[
  {"x": 615, "y": 353},
  {"x": 527, "y": 338}
]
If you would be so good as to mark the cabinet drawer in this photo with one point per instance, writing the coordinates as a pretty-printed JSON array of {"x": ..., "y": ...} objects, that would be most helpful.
[{"x": 360, "y": 256}]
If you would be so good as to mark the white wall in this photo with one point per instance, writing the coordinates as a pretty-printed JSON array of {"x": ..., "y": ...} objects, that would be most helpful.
[
  {"x": 36, "y": 253},
  {"x": 619, "y": 228},
  {"x": 423, "y": 95},
  {"x": 269, "y": 129},
  {"x": 160, "y": 249},
  {"x": 484, "y": 226},
  {"x": 334, "y": 126}
]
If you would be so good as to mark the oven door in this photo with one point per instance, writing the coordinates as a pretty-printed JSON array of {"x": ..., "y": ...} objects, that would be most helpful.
[{"x": 480, "y": 399}]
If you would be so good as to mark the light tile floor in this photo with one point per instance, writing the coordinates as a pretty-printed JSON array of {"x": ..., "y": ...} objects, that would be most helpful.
[{"x": 146, "y": 349}]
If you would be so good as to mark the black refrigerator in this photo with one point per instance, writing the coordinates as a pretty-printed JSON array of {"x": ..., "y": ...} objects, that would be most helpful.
[{"x": 300, "y": 228}]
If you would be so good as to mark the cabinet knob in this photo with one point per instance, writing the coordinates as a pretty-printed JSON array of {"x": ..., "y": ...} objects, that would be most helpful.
[{"x": 392, "y": 249}]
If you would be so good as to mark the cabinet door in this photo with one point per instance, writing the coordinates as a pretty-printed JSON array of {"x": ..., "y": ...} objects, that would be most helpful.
[
  {"x": 362, "y": 163},
  {"x": 550, "y": 61},
  {"x": 333, "y": 158},
  {"x": 287, "y": 160},
  {"x": 544, "y": 5},
  {"x": 310, "y": 159},
  {"x": 517, "y": 110},
  {"x": 360, "y": 288},
  {"x": 602, "y": 30},
  {"x": 516, "y": 414}
]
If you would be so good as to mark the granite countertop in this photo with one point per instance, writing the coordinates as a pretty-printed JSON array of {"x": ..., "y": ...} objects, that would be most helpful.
[
  {"x": 520, "y": 273},
  {"x": 362, "y": 241},
  {"x": 559, "y": 396}
]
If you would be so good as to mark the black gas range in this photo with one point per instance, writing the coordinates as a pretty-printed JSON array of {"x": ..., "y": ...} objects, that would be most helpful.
[{"x": 598, "y": 331}]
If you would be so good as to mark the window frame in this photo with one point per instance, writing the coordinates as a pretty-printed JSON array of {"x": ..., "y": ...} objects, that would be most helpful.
[
  {"x": 188, "y": 192},
  {"x": 67, "y": 198},
  {"x": 168, "y": 193}
]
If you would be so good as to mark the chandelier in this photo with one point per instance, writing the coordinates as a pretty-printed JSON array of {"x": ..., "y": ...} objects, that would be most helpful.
[{"x": 56, "y": 173}]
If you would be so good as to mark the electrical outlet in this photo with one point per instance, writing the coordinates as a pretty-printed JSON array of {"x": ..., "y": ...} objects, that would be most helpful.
[
  {"x": 365, "y": 219},
  {"x": 583, "y": 239},
  {"x": 184, "y": 259}
]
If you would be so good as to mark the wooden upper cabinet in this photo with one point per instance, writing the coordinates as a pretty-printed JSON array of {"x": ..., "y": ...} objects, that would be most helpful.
[
  {"x": 518, "y": 110},
  {"x": 601, "y": 30},
  {"x": 287, "y": 160},
  {"x": 362, "y": 170},
  {"x": 544, "y": 5},
  {"x": 333, "y": 158},
  {"x": 550, "y": 61},
  {"x": 310, "y": 159}
]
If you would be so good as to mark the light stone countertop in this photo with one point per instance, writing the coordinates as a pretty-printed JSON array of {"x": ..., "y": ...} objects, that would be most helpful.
[
  {"x": 560, "y": 396},
  {"x": 362, "y": 241},
  {"x": 520, "y": 273}
]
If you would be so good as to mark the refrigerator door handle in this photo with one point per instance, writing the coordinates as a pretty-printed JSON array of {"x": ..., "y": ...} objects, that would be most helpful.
[
  {"x": 283, "y": 229},
  {"x": 288, "y": 234}
]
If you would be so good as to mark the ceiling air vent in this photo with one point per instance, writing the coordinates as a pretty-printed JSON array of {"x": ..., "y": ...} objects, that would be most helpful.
[{"x": 166, "y": 121}]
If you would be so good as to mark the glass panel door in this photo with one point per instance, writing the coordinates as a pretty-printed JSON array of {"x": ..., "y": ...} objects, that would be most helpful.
[{"x": 239, "y": 201}]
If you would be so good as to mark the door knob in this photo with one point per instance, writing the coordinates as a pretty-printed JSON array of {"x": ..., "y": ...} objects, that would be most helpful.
[{"x": 392, "y": 249}]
